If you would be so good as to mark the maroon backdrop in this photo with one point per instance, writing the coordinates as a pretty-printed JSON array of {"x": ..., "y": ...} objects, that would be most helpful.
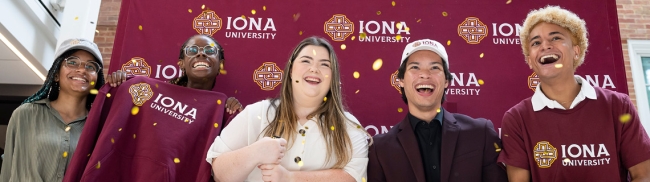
[{"x": 481, "y": 38}]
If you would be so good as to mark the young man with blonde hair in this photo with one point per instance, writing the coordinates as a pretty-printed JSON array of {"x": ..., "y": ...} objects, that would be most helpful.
[{"x": 569, "y": 130}]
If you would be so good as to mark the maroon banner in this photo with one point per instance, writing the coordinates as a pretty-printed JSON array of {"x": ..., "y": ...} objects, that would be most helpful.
[{"x": 481, "y": 38}]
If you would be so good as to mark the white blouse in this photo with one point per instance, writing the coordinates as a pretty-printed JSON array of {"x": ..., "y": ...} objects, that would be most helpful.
[{"x": 247, "y": 126}]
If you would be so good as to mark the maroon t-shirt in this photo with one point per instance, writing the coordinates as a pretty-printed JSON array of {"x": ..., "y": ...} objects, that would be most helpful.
[
  {"x": 166, "y": 139},
  {"x": 586, "y": 143}
]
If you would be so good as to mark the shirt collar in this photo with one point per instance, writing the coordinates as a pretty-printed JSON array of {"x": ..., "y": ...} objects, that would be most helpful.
[
  {"x": 539, "y": 100},
  {"x": 414, "y": 120}
]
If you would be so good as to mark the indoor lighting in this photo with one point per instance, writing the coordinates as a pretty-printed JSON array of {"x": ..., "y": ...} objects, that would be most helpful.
[{"x": 20, "y": 55}]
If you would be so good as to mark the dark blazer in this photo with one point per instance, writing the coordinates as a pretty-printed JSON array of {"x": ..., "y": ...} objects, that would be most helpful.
[{"x": 467, "y": 152}]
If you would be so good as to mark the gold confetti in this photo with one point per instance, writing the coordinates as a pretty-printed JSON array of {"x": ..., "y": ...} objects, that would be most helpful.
[
  {"x": 212, "y": 44},
  {"x": 481, "y": 56},
  {"x": 300, "y": 163},
  {"x": 108, "y": 95},
  {"x": 324, "y": 99},
  {"x": 355, "y": 74},
  {"x": 377, "y": 64},
  {"x": 300, "y": 33},
  {"x": 243, "y": 17},
  {"x": 419, "y": 20},
  {"x": 112, "y": 140},
  {"x": 407, "y": 29},
  {"x": 448, "y": 42},
  {"x": 96, "y": 31},
  {"x": 496, "y": 145},
  {"x": 508, "y": 2},
  {"x": 134, "y": 136},
  {"x": 203, "y": 6},
  {"x": 378, "y": 12},
  {"x": 332, "y": 128},
  {"x": 88, "y": 155},
  {"x": 481, "y": 82},
  {"x": 253, "y": 11},
  {"x": 99, "y": 164},
  {"x": 156, "y": 85},
  {"x": 92, "y": 83},
  {"x": 154, "y": 124},
  {"x": 363, "y": 179},
  {"x": 398, "y": 37},
  {"x": 120, "y": 129},
  {"x": 176, "y": 160},
  {"x": 327, "y": 76},
  {"x": 140, "y": 27},
  {"x": 135, "y": 110},
  {"x": 358, "y": 126},
  {"x": 343, "y": 46},
  {"x": 444, "y": 13},
  {"x": 558, "y": 65},
  {"x": 566, "y": 160},
  {"x": 498, "y": 150},
  {"x": 219, "y": 101},
  {"x": 313, "y": 51},
  {"x": 438, "y": 110},
  {"x": 65, "y": 154},
  {"x": 400, "y": 109},
  {"x": 296, "y": 16},
  {"x": 353, "y": 37},
  {"x": 398, "y": 25},
  {"x": 264, "y": 8},
  {"x": 189, "y": 10},
  {"x": 356, "y": 92},
  {"x": 94, "y": 91},
  {"x": 76, "y": 18},
  {"x": 223, "y": 72},
  {"x": 303, "y": 142},
  {"x": 362, "y": 35},
  {"x": 259, "y": 117},
  {"x": 393, "y": 3},
  {"x": 506, "y": 135},
  {"x": 216, "y": 125},
  {"x": 187, "y": 120},
  {"x": 67, "y": 128},
  {"x": 625, "y": 118}
]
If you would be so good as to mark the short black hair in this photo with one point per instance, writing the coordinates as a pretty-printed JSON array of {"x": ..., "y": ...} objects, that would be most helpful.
[{"x": 402, "y": 70}]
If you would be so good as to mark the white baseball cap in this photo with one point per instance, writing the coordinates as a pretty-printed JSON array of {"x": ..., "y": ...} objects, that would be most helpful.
[
  {"x": 425, "y": 44},
  {"x": 82, "y": 44}
]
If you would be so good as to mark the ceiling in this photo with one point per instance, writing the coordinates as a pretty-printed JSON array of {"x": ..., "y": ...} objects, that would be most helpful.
[{"x": 15, "y": 71}]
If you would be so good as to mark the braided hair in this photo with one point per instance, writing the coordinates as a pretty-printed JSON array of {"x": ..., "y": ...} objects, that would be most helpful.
[
  {"x": 182, "y": 80},
  {"x": 50, "y": 88}
]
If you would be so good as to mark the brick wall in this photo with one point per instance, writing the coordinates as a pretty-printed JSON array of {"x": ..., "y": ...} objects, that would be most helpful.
[
  {"x": 634, "y": 23},
  {"x": 106, "y": 25},
  {"x": 633, "y": 17}
]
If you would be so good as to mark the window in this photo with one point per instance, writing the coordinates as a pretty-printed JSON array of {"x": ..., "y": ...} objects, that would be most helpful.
[{"x": 639, "y": 52}]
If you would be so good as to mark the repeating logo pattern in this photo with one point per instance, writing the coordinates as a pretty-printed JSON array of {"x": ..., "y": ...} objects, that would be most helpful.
[
  {"x": 207, "y": 23},
  {"x": 137, "y": 67},
  {"x": 268, "y": 76},
  {"x": 393, "y": 82},
  {"x": 140, "y": 93},
  {"x": 533, "y": 81},
  {"x": 472, "y": 30},
  {"x": 339, "y": 27},
  {"x": 545, "y": 154}
]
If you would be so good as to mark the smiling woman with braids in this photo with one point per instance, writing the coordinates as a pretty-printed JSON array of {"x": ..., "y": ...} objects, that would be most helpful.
[
  {"x": 200, "y": 60},
  {"x": 325, "y": 143},
  {"x": 43, "y": 132}
]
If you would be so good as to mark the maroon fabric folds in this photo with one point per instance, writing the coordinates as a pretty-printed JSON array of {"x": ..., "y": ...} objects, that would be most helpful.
[{"x": 165, "y": 138}]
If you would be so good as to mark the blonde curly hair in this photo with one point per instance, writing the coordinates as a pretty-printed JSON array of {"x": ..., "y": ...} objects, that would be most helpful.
[{"x": 561, "y": 17}]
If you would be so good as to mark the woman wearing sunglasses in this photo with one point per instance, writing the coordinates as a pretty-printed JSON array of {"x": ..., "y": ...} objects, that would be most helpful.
[
  {"x": 43, "y": 132},
  {"x": 200, "y": 61}
]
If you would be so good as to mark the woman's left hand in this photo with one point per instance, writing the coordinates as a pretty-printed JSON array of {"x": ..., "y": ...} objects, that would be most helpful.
[
  {"x": 233, "y": 105},
  {"x": 274, "y": 173}
]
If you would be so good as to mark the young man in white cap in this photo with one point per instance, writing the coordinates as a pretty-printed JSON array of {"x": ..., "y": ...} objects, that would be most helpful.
[
  {"x": 430, "y": 143},
  {"x": 569, "y": 130}
]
